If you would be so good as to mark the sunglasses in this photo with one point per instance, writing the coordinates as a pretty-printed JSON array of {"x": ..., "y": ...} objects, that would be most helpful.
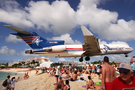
[{"x": 126, "y": 73}]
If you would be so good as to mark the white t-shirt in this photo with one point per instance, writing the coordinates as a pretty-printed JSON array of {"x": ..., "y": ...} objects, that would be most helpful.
[
  {"x": 12, "y": 85},
  {"x": 57, "y": 71}
]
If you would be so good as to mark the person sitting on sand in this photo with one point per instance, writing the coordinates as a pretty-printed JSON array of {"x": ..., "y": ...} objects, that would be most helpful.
[
  {"x": 60, "y": 83},
  {"x": 67, "y": 75},
  {"x": 67, "y": 86},
  {"x": 89, "y": 83},
  {"x": 74, "y": 76}
]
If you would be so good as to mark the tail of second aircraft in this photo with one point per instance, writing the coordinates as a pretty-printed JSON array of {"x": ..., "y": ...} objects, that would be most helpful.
[{"x": 33, "y": 39}]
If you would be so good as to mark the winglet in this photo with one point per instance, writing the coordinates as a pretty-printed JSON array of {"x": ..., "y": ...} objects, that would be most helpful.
[
  {"x": 18, "y": 30},
  {"x": 85, "y": 31}
]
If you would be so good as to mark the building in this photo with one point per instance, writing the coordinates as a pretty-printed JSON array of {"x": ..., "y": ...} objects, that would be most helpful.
[
  {"x": 77, "y": 63},
  {"x": 41, "y": 60}
]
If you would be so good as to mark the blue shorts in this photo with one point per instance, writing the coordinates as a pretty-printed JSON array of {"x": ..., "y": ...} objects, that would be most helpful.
[{"x": 93, "y": 70}]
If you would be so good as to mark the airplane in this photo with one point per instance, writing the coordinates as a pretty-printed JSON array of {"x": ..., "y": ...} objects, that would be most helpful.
[{"x": 56, "y": 48}]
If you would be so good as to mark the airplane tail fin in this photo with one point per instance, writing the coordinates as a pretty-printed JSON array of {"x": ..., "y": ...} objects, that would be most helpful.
[{"x": 33, "y": 39}]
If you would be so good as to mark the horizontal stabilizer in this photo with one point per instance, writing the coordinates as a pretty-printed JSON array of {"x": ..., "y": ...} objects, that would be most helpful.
[{"x": 18, "y": 30}]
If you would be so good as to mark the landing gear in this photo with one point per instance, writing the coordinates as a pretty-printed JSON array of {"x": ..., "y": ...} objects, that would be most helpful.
[
  {"x": 87, "y": 58},
  {"x": 81, "y": 59},
  {"x": 126, "y": 55}
]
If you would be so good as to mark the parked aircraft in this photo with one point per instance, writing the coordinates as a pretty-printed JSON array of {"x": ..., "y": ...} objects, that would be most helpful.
[{"x": 56, "y": 48}]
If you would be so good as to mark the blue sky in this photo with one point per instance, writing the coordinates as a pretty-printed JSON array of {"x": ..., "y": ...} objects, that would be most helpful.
[{"x": 112, "y": 21}]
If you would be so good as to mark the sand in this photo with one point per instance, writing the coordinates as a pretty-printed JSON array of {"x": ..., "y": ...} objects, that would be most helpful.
[{"x": 43, "y": 81}]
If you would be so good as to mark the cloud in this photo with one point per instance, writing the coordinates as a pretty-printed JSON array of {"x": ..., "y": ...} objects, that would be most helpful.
[
  {"x": 59, "y": 18},
  {"x": 113, "y": 58},
  {"x": 6, "y": 51},
  {"x": 67, "y": 39},
  {"x": 12, "y": 13},
  {"x": 104, "y": 22},
  {"x": 61, "y": 59},
  {"x": 12, "y": 38}
]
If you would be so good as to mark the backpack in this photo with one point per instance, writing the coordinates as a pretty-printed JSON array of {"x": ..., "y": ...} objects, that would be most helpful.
[{"x": 4, "y": 83}]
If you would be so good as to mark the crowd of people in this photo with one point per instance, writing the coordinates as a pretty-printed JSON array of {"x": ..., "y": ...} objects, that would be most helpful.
[
  {"x": 105, "y": 72},
  {"x": 110, "y": 80}
]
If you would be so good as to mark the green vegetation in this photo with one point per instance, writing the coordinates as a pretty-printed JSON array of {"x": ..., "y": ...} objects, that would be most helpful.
[{"x": 31, "y": 64}]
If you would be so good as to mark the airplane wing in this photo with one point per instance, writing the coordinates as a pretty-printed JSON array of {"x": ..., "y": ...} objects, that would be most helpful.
[
  {"x": 18, "y": 30},
  {"x": 91, "y": 45}
]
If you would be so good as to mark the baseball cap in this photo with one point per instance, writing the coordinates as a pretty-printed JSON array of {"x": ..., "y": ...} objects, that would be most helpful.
[{"x": 125, "y": 67}]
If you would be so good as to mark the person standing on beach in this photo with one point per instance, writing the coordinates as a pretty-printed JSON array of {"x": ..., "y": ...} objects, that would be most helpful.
[
  {"x": 132, "y": 65},
  {"x": 99, "y": 70},
  {"x": 93, "y": 70},
  {"x": 12, "y": 85},
  {"x": 57, "y": 73},
  {"x": 125, "y": 81},
  {"x": 108, "y": 73},
  {"x": 89, "y": 69},
  {"x": 8, "y": 83}
]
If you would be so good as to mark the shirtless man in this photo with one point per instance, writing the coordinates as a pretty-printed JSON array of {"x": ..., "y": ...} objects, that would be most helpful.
[
  {"x": 74, "y": 76},
  {"x": 108, "y": 73}
]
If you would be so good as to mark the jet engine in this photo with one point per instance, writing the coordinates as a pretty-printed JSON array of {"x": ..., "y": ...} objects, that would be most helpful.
[
  {"x": 55, "y": 48},
  {"x": 29, "y": 52}
]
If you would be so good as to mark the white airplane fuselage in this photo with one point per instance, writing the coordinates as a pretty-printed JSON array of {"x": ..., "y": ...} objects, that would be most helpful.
[{"x": 77, "y": 50}]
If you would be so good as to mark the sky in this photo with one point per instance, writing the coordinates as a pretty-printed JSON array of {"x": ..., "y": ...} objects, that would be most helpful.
[{"x": 111, "y": 21}]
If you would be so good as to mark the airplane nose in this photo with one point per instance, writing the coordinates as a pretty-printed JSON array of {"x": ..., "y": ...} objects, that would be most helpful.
[{"x": 131, "y": 49}]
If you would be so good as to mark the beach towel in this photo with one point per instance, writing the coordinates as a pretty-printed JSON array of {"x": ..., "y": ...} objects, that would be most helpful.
[{"x": 96, "y": 86}]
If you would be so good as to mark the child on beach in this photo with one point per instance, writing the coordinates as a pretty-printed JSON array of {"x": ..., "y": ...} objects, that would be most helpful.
[{"x": 67, "y": 86}]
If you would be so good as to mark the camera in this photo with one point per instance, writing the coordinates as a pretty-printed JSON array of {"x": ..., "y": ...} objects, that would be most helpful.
[{"x": 133, "y": 56}]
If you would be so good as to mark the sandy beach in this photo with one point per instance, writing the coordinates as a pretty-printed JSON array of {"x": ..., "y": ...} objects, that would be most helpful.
[{"x": 43, "y": 81}]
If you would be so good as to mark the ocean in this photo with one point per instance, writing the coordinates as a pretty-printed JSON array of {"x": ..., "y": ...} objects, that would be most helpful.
[{"x": 3, "y": 75}]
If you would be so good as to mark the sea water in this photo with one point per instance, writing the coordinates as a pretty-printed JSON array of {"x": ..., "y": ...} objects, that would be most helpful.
[{"x": 3, "y": 75}]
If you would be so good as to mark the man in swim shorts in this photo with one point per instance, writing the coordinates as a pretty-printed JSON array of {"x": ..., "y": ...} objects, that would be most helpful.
[
  {"x": 93, "y": 69},
  {"x": 108, "y": 73}
]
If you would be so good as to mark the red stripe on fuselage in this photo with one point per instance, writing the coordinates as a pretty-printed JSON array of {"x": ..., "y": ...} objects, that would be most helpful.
[
  {"x": 72, "y": 48},
  {"x": 28, "y": 42},
  {"x": 29, "y": 37}
]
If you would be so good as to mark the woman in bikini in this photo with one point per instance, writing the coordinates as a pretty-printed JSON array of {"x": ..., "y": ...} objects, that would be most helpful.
[{"x": 89, "y": 83}]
